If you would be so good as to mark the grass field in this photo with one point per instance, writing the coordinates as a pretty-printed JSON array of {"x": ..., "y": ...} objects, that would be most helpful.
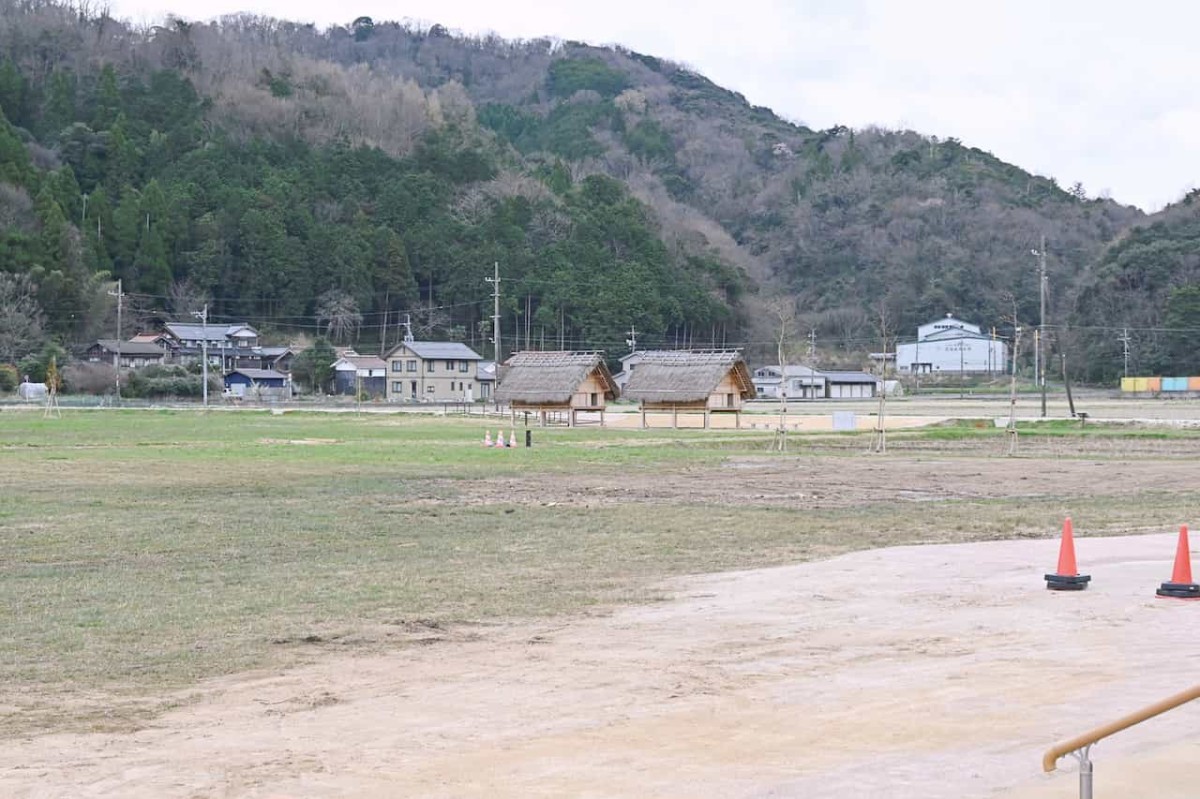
[{"x": 144, "y": 551}]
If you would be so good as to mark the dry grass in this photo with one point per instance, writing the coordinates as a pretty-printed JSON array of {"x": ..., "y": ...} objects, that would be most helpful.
[{"x": 146, "y": 551}]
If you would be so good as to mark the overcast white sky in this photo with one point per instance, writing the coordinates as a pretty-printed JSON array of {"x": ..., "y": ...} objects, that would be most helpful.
[{"x": 1099, "y": 92}]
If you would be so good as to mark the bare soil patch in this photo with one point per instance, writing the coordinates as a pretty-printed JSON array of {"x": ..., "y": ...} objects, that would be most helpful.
[
  {"x": 832, "y": 481},
  {"x": 931, "y": 672}
]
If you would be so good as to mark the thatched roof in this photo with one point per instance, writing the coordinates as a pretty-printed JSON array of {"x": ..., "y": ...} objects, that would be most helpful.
[
  {"x": 551, "y": 377},
  {"x": 669, "y": 376}
]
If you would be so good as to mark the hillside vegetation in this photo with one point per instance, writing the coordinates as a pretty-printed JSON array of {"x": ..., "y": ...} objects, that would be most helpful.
[{"x": 376, "y": 170}]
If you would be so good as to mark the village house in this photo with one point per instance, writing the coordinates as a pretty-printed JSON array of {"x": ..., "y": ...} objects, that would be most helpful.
[
  {"x": 360, "y": 374},
  {"x": 801, "y": 382},
  {"x": 485, "y": 375},
  {"x": 556, "y": 383},
  {"x": 805, "y": 383},
  {"x": 432, "y": 371},
  {"x": 954, "y": 346},
  {"x": 134, "y": 354},
  {"x": 675, "y": 382}
]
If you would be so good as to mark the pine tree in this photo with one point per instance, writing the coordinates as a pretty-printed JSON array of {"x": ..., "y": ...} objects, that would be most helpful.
[
  {"x": 59, "y": 109},
  {"x": 108, "y": 99}
]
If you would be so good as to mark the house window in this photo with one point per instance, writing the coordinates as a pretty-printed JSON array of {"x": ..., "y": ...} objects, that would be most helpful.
[
  {"x": 449, "y": 366},
  {"x": 412, "y": 366},
  {"x": 595, "y": 399},
  {"x": 429, "y": 389},
  {"x": 429, "y": 366},
  {"x": 464, "y": 366},
  {"x": 397, "y": 386},
  {"x": 397, "y": 366}
]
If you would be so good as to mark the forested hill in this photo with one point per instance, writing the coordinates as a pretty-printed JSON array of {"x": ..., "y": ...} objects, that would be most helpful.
[
  {"x": 291, "y": 176},
  {"x": 1145, "y": 287}
]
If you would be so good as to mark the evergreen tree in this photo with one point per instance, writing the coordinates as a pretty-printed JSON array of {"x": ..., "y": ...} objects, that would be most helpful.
[
  {"x": 59, "y": 109},
  {"x": 108, "y": 99},
  {"x": 12, "y": 94}
]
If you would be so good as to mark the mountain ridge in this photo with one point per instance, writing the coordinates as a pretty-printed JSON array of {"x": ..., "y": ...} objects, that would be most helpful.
[{"x": 617, "y": 188}]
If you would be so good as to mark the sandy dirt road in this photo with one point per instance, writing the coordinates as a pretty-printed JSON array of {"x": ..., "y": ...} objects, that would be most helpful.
[{"x": 930, "y": 672}]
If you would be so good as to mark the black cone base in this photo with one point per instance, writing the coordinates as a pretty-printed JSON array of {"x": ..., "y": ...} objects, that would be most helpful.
[
  {"x": 1180, "y": 590},
  {"x": 1065, "y": 582}
]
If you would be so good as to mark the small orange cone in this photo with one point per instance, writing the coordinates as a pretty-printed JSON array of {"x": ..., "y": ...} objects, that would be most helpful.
[
  {"x": 487, "y": 438},
  {"x": 1068, "y": 577},
  {"x": 1181, "y": 585},
  {"x": 499, "y": 438},
  {"x": 512, "y": 438}
]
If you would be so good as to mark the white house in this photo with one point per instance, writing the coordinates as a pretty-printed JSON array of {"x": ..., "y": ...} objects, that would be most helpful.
[
  {"x": 802, "y": 382},
  {"x": 806, "y": 383},
  {"x": 954, "y": 346}
]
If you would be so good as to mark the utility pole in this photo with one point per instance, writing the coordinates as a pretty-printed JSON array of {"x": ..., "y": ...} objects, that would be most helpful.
[
  {"x": 1039, "y": 359},
  {"x": 203, "y": 317},
  {"x": 408, "y": 336},
  {"x": 120, "y": 295},
  {"x": 631, "y": 342},
  {"x": 1012, "y": 391},
  {"x": 496, "y": 340},
  {"x": 1124, "y": 339},
  {"x": 812, "y": 347}
]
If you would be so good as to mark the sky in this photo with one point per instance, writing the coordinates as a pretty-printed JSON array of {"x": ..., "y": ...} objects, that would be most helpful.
[{"x": 1101, "y": 93}]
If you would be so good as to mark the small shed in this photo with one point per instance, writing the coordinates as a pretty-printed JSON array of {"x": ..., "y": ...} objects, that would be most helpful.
[
  {"x": 852, "y": 385},
  {"x": 354, "y": 373},
  {"x": 256, "y": 382},
  {"x": 556, "y": 382},
  {"x": 691, "y": 382}
]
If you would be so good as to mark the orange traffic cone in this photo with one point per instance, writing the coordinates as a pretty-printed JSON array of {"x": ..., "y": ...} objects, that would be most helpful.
[
  {"x": 487, "y": 438},
  {"x": 512, "y": 438},
  {"x": 499, "y": 438},
  {"x": 1068, "y": 577},
  {"x": 1181, "y": 585}
]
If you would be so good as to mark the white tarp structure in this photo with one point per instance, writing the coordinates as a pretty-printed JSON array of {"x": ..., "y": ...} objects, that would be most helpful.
[{"x": 32, "y": 391}]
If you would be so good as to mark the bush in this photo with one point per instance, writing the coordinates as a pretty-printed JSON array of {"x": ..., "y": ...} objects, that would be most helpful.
[
  {"x": 154, "y": 382},
  {"x": 89, "y": 378},
  {"x": 8, "y": 378}
]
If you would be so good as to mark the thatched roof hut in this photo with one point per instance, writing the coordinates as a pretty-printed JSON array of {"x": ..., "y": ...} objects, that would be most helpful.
[
  {"x": 708, "y": 382},
  {"x": 556, "y": 381}
]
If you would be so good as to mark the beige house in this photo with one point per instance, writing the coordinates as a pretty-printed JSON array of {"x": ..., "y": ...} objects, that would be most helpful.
[
  {"x": 675, "y": 382},
  {"x": 432, "y": 371},
  {"x": 558, "y": 383}
]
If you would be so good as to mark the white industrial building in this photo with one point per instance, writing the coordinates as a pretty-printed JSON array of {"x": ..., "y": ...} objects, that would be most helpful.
[{"x": 952, "y": 345}]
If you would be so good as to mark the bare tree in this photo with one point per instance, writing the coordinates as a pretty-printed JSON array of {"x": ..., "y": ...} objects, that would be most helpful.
[
  {"x": 186, "y": 298},
  {"x": 785, "y": 313},
  {"x": 338, "y": 311},
  {"x": 21, "y": 317}
]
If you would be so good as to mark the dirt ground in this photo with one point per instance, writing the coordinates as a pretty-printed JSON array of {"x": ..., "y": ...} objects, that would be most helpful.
[
  {"x": 836, "y": 482},
  {"x": 937, "y": 671}
]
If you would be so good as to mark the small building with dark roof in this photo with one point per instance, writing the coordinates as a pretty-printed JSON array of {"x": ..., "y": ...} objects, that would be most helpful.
[
  {"x": 133, "y": 354},
  {"x": 360, "y": 374},
  {"x": 548, "y": 383},
  {"x": 257, "y": 383},
  {"x": 851, "y": 385},
  {"x": 689, "y": 382}
]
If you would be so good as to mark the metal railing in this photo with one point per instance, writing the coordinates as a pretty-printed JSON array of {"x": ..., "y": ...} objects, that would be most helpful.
[{"x": 1080, "y": 746}]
